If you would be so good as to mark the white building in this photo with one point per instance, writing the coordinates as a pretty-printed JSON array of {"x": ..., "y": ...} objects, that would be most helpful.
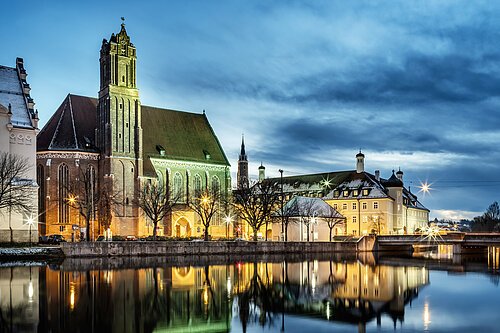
[{"x": 18, "y": 130}]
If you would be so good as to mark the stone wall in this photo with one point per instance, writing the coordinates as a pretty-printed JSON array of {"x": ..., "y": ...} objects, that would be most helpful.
[
  {"x": 18, "y": 236},
  {"x": 107, "y": 249}
]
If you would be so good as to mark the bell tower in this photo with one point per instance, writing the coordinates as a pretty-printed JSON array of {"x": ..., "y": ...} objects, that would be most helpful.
[
  {"x": 119, "y": 131},
  {"x": 242, "y": 181}
]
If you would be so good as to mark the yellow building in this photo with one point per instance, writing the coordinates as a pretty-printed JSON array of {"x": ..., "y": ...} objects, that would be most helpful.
[{"x": 370, "y": 204}]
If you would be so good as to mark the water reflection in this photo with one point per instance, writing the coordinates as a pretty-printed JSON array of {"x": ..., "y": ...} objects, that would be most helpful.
[
  {"x": 239, "y": 296},
  {"x": 19, "y": 299}
]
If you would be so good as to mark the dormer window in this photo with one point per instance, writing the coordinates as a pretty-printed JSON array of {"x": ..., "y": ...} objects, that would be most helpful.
[
  {"x": 207, "y": 154},
  {"x": 160, "y": 150},
  {"x": 355, "y": 193},
  {"x": 365, "y": 192},
  {"x": 345, "y": 193}
]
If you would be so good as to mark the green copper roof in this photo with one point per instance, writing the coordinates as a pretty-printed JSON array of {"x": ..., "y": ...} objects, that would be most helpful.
[{"x": 180, "y": 135}]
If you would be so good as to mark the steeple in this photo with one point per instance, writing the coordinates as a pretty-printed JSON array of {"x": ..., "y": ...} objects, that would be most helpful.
[
  {"x": 242, "y": 180},
  {"x": 243, "y": 154},
  {"x": 360, "y": 162},
  {"x": 118, "y": 60},
  {"x": 119, "y": 128}
]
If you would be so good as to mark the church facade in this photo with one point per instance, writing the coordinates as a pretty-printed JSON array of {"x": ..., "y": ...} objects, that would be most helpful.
[{"x": 119, "y": 141}]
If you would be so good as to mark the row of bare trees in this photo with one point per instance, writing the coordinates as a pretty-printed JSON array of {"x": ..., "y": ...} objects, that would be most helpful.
[{"x": 258, "y": 205}]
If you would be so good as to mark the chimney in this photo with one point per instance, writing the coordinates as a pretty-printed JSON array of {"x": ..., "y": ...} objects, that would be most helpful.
[
  {"x": 262, "y": 172},
  {"x": 360, "y": 162},
  {"x": 377, "y": 175}
]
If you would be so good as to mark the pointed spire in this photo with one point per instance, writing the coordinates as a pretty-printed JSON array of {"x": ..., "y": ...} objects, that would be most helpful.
[
  {"x": 123, "y": 23},
  {"x": 243, "y": 154}
]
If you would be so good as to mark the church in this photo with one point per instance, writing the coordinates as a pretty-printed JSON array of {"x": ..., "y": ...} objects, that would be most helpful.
[{"x": 117, "y": 140}]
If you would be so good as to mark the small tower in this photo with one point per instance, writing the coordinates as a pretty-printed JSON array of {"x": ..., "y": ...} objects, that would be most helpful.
[
  {"x": 360, "y": 162},
  {"x": 262, "y": 172},
  {"x": 399, "y": 174},
  {"x": 242, "y": 179}
]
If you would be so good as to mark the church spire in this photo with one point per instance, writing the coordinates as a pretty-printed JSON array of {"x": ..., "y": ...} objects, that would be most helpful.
[
  {"x": 242, "y": 180},
  {"x": 243, "y": 154}
]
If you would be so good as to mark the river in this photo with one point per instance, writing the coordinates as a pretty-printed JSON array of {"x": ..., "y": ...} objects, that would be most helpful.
[{"x": 433, "y": 292}]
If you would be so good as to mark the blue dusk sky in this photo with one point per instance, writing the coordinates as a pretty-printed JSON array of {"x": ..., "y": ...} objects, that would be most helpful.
[{"x": 414, "y": 84}]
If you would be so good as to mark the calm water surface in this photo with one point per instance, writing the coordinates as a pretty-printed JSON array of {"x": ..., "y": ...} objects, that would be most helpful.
[{"x": 434, "y": 293}]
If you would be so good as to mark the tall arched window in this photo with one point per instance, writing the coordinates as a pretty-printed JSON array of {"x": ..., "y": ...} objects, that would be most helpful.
[
  {"x": 177, "y": 193},
  {"x": 63, "y": 183},
  {"x": 197, "y": 185},
  {"x": 160, "y": 179},
  {"x": 92, "y": 183},
  {"x": 215, "y": 184},
  {"x": 40, "y": 180}
]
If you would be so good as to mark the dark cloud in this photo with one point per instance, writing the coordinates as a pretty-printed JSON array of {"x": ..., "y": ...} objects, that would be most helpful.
[{"x": 310, "y": 77}]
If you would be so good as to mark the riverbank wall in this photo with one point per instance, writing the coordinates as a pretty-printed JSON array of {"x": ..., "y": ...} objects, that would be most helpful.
[{"x": 183, "y": 248}]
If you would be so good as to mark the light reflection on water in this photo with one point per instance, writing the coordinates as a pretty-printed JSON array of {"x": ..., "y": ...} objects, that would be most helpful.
[{"x": 424, "y": 293}]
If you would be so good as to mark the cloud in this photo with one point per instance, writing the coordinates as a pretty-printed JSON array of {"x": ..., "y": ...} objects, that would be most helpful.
[{"x": 454, "y": 215}]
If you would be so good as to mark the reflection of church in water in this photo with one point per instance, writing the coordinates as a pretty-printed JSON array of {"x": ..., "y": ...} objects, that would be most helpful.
[{"x": 217, "y": 297}]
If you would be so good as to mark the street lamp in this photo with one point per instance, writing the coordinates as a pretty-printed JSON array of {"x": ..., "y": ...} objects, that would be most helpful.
[
  {"x": 282, "y": 217},
  {"x": 228, "y": 219},
  {"x": 30, "y": 221},
  {"x": 72, "y": 200}
]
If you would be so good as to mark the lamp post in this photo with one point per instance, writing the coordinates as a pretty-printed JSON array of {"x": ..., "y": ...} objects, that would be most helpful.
[
  {"x": 228, "y": 221},
  {"x": 282, "y": 217},
  {"x": 30, "y": 221}
]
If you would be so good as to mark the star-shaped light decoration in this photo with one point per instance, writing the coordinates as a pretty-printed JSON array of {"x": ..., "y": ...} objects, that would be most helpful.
[
  {"x": 425, "y": 188},
  {"x": 326, "y": 183}
]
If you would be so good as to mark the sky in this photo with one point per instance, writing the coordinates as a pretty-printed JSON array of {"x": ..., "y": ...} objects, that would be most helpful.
[{"x": 415, "y": 85}]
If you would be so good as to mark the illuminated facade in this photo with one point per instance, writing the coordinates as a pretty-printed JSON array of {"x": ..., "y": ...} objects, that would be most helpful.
[
  {"x": 369, "y": 203},
  {"x": 128, "y": 144},
  {"x": 18, "y": 130},
  {"x": 372, "y": 204}
]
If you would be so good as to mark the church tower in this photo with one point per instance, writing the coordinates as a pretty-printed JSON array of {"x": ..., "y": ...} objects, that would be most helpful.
[
  {"x": 242, "y": 181},
  {"x": 119, "y": 131}
]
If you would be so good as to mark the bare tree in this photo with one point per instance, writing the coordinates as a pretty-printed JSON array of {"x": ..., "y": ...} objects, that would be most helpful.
[
  {"x": 156, "y": 202},
  {"x": 106, "y": 204},
  {"x": 334, "y": 221},
  {"x": 206, "y": 204},
  {"x": 376, "y": 224},
  {"x": 308, "y": 213},
  {"x": 16, "y": 192},
  {"x": 286, "y": 216},
  {"x": 256, "y": 204},
  {"x": 84, "y": 196}
]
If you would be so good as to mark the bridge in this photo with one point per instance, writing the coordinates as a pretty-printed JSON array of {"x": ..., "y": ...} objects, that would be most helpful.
[{"x": 461, "y": 242}]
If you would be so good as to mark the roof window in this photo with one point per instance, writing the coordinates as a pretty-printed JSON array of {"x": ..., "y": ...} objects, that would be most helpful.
[
  {"x": 161, "y": 150},
  {"x": 207, "y": 154}
]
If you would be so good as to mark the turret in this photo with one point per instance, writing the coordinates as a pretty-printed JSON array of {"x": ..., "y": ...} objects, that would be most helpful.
[
  {"x": 399, "y": 175},
  {"x": 262, "y": 172},
  {"x": 360, "y": 162}
]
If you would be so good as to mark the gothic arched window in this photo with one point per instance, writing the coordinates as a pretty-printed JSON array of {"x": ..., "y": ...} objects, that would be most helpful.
[
  {"x": 177, "y": 193},
  {"x": 215, "y": 184},
  {"x": 40, "y": 180},
  {"x": 92, "y": 184},
  {"x": 197, "y": 185},
  {"x": 63, "y": 183}
]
